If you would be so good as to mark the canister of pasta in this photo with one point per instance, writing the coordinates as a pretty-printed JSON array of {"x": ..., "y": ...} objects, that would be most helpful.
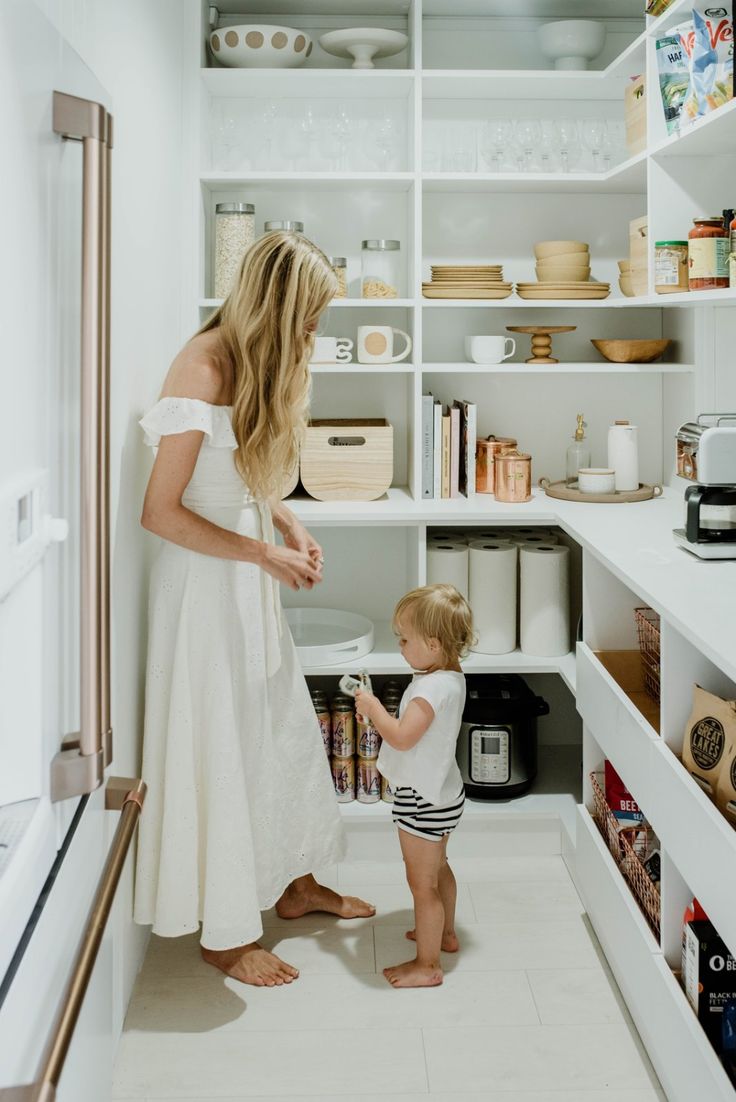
[{"x": 339, "y": 265}]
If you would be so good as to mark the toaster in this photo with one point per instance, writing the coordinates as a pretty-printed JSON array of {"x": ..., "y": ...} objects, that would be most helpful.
[{"x": 706, "y": 449}]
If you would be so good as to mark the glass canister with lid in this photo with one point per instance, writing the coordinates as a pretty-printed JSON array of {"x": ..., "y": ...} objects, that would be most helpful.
[
  {"x": 670, "y": 267},
  {"x": 380, "y": 266},
  {"x": 708, "y": 251},
  {"x": 235, "y": 225},
  {"x": 286, "y": 226},
  {"x": 339, "y": 265}
]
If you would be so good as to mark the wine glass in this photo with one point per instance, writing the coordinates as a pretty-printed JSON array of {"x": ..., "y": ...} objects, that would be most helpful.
[
  {"x": 386, "y": 139},
  {"x": 528, "y": 134},
  {"x": 342, "y": 124},
  {"x": 309, "y": 128},
  {"x": 264, "y": 128},
  {"x": 594, "y": 132},
  {"x": 293, "y": 143},
  {"x": 224, "y": 144},
  {"x": 569, "y": 150},
  {"x": 549, "y": 144},
  {"x": 495, "y": 141},
  {"x": 614, "y": 143}
]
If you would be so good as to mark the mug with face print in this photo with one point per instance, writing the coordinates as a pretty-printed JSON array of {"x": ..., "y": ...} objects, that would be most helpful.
[
  {"x": 332, "y": 350},
  {"x": 376, "y": 344}
]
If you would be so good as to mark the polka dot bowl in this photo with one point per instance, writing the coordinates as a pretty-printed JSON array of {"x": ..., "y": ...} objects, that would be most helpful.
[{"x": 258, "y": 46}]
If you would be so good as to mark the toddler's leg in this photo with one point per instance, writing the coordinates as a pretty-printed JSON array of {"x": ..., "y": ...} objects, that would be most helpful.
[
  {"x": 423, "y": 860},
  {"x": 447, "y": 887}
]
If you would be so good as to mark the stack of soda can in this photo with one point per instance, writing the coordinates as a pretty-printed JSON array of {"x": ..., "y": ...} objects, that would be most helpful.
[{"x": 354, "y": 744}]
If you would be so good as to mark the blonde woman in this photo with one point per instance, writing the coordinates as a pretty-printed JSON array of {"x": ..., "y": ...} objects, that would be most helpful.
[{"x": 241, "y": 808}]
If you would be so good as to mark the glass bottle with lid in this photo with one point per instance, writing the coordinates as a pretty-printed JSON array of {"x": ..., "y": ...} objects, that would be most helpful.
[
  {"x": 578, "y": 454},
  {"x": 285, "y": 227},
  {"x": 380, "y": 265},
  {"x": 339, "y": 265},
  {"x": 235, "y": 225}
]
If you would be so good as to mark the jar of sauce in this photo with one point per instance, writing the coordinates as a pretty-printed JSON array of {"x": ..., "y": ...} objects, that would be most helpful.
[{"x": 708, "y": 251}]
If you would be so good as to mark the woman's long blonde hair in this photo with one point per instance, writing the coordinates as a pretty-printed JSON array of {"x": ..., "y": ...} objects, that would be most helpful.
[{"x": 284, "y": 284}]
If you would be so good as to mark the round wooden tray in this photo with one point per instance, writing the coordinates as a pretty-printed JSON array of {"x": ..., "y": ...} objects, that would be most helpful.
[{"x": 568, "y": 493}]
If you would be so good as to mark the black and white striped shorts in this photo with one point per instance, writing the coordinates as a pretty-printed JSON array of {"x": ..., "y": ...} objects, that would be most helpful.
[{"x": 411, "y": 812}]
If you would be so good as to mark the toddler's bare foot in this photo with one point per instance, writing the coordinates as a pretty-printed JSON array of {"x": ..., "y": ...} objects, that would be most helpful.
[
  {"x": 450, "y": 944},
  {"x": 413, "y": 974},
  {"x": 251, "y": 964},
  {"x": 306, "y": 895}
]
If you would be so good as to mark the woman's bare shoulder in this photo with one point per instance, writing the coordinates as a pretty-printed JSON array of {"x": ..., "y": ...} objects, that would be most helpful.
[{"x": 197, "y": 372}]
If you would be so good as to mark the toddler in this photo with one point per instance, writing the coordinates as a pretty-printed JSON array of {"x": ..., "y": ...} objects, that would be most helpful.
[{"x": 434, "y": 626}]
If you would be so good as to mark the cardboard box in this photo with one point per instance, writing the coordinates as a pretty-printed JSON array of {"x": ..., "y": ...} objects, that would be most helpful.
[{"x": 708, "y": 976}]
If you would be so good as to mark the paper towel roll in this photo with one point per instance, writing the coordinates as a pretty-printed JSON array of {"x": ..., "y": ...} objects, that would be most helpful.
[
  {"x": 534, "y": 541},
  {"x": 492, "y": 534},
  {"x": 445, "y": 537},
  {"x": 545, "y": 599},
  {"x": 448, "y": 562},
  {"x": 492, "y": 588}
]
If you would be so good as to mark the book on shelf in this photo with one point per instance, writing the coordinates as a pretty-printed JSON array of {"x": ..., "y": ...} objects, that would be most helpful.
[
  {"x": 446, "y": 448},
  {"x": 468, "y": 438},
  {"x": 427, "y": 445},
  {"x": 455, "y": 450},
  {"x": 437, "y": 451}
]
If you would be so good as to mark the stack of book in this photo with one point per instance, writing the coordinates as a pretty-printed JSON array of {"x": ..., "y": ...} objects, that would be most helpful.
[{"x": 448, "y": 448}]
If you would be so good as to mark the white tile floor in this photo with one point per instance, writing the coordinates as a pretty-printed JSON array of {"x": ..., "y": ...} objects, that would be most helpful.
[{"x": 528, "y": 1011}]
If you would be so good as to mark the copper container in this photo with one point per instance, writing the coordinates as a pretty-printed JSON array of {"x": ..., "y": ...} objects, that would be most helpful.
[
  {"x": 485, "y": 454},
  {"x": 513, "y": 476}
]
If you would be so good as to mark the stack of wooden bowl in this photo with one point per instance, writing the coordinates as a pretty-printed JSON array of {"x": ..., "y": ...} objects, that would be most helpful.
[
  {"x": 563, "y": 271},
  {"x": 624, "y": 278}
]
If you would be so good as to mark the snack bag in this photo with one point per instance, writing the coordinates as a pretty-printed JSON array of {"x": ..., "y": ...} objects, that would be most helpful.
[
  {"x": 726, "y": 784},
  {"x": 711, "y": 61},
  {"x": 710, "y": 732},
  {"x": 674, "y": 73}
]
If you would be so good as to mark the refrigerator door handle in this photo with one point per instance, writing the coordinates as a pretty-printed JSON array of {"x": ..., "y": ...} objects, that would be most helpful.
[
  {"x": 79, "y": 766},
  {"x": 125, "y": 795}
]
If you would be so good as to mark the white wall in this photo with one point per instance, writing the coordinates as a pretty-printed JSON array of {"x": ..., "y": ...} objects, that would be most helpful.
[{"x": 135, "y": 49}]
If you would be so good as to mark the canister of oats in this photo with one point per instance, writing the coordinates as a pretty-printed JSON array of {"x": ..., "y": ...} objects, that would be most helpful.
[
  {"x": 369, "y": 741},
  {"x": 235, "y": 225},
  {"x": 368, "y": 782},
  {"x": 343, "y": 776},
  {"x": 343, "y": 727}
]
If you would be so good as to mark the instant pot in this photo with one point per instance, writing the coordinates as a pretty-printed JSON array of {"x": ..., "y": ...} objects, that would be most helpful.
[{"x": 497, "y": 746}]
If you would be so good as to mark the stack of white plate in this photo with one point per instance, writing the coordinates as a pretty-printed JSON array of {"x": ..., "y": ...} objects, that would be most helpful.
[{"x": 467, "y": 281}]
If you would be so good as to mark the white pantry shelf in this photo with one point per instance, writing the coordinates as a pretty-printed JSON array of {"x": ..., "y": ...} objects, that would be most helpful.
[
  {"x": 341, "y": 303},
  {"x": 627, "y": 178},
  {"x": 521, "y": 84},
  {"x": 301, "y": 83},
  {"x": 713, "y": 135},
  {"x": 597, "y": 367},
  {"x": 309, "y": 181},
  {"x": 398, "y": 508},
  {"x": 402, "y": 368}
]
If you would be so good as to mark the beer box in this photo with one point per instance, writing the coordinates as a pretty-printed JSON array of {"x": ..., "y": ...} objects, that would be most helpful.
[
  {"x": 708, "y": 976},
  {"x": 621, "y": 802}
]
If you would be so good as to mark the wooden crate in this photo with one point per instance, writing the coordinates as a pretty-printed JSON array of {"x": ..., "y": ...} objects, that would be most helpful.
[
  {"x": 639, "y": 255},
  {"x": 347, "y": 460},
  {"x": 635, "y": 115}
]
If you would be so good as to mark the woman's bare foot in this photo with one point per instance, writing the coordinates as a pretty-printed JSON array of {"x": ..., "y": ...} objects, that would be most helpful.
[
  {"x": 450, "y": 944},
  {"x": 251, "y": 964},
  {"x": 305, "y": 895},
  {"x": 413, "y": 974}
]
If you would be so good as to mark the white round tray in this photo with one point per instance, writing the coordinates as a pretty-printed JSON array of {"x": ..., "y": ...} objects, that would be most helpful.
[{"x": 328, "y": 637}]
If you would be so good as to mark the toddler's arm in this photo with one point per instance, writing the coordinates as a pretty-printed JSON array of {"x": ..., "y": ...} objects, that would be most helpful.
[{"x": 402, "y": 733}]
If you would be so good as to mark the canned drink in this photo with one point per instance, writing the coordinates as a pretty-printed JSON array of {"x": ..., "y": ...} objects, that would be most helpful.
[
  {"x": 369, "y": 741},
  {"x": 324, "y": 718},
  {"x": 343, "y": 728},
  {"x": 386, "y": 790},
  {"x": 392, "y": 687},
  {"x": 368, "y": 785},
  {"x": 343, "y": 777}
]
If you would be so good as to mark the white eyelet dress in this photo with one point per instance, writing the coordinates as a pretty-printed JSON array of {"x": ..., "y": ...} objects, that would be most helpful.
[{"x": 240, "y": 796}]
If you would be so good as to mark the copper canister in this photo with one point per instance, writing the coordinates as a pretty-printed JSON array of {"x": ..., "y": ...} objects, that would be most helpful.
[
  {"x": 513, "y": 477},
  {"x": 485, "y": 454}
]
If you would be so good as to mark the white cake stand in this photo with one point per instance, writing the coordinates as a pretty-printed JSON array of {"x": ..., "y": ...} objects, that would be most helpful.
[{"x": 363, "y": 44}]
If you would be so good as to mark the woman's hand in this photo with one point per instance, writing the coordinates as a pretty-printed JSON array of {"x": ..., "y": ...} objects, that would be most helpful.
[
  {"x": 295, "y": 535},
  {"x": 297, "y": 569}
]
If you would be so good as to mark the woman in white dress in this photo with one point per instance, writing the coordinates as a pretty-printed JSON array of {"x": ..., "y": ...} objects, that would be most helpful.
[{"x": 241, "y": 809}]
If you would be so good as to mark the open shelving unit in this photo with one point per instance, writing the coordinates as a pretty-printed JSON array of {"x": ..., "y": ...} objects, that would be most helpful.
[{"x": 375, "y": 551}]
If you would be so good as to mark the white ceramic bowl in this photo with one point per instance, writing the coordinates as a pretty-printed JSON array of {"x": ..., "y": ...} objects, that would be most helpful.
[
  {"x": 545, "y": 249},
  {"x": 596, "y": 480},
  {"x": 363, "y": 44},
  {"x": 572, "y": 43},
  {"x": 260, "y": 46}
]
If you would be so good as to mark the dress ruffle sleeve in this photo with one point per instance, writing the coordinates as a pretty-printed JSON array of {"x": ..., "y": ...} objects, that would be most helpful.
[{"x": 173, "y": 415}]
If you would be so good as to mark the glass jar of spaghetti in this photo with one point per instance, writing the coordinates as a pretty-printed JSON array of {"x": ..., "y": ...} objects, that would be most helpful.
[{"x": 708, "y": 250}]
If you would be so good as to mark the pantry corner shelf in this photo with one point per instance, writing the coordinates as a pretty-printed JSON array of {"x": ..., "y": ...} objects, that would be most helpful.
[
  {"x": 599, "y": 367},
  {"x": 352, "y": 368},
  {"x": 627, "y": 178},
  {"x": 713, "y": 135},
  {"x": 330, "y": 83},
  {"x": 522, "y": 84},
  {"x": 321, "y": 181}
]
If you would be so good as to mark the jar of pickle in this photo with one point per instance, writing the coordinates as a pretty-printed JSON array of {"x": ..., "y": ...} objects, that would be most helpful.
[
  {"x": 339, "y": 265},
  {"x": 708, "y": 252},
  {"x": 380, "y": 268},
  {"x": 235, "y": 225}
]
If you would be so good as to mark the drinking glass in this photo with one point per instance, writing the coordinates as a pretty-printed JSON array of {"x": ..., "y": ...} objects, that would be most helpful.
[
  {"x": 593, "y": 132},
  {"x": 569, "y": 149},
  {"x": 264, "y": 132},
  {"x": 293, "y": 143},
  {"x": 386, "y": 140},
  {"x": 224, "y": 143},
  {"x": 495, "y": 141},
  {"x": 549, "y": 144},
  {"x": 343, "y": 124},
  {"x": 528, "y": 134},
  {"x": 614, "y": 143}
]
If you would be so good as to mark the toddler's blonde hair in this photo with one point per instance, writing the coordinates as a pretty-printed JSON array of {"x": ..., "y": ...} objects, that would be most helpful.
[{"x": 439, "y": 612}]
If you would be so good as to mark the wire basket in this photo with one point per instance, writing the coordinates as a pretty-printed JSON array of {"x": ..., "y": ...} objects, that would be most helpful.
[
  {"x": 621, "y": 844},
  {"x": 647, "y": 627}
]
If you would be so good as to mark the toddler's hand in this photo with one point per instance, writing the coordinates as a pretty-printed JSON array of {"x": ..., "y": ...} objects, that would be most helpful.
[{"x": 365, "y": 703}]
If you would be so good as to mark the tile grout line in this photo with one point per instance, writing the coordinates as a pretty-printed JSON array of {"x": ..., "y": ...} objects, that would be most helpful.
[{"x": 531, "y": 992}]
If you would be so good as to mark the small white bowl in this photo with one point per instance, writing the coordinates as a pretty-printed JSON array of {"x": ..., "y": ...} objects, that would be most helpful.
[
  {"x": 596, "y": 480},
  {"x": 572, "y": 43},
  {"x": 260, "y": 46}
]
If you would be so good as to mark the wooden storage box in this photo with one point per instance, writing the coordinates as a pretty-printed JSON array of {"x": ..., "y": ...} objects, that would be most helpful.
[
  {"x": 635, "y": 115},
  {"x": 639, "y": 255},
  {"x": 347, "y": 460}
]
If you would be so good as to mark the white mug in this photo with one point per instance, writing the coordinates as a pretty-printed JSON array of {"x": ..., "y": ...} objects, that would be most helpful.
[
  {"x": 596, "y": 480},
  {"x": 376, "y": 344},
  {"x": 489, "y": 350},
  {"x": 332, "y": 350}
]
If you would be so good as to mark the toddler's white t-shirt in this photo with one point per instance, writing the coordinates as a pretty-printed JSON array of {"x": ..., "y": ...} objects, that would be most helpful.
[{"x": 430, "y": 767}]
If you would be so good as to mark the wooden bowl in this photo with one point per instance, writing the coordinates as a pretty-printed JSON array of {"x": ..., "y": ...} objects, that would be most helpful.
[
  {"x": 626, "y": 285},
  {"x": 545, "y": 249},
  {"x": 570, "y": 259},
  {"x": 631, "y": 352},
  {"x": 624, "y": 266},
  {"x": 563, "y": 273}
]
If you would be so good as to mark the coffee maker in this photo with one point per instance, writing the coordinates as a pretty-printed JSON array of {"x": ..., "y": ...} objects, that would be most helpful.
[{"x": 706, "y": 455}]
